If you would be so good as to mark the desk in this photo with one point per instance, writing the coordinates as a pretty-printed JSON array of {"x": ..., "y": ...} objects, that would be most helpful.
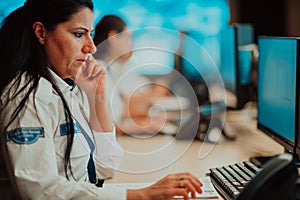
[{"x": 149, "y": 158}]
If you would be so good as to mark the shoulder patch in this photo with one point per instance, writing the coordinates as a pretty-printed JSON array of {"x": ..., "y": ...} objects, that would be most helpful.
[
  {"x": 25, "y": 135},
  {"x": 63, "y": 128}
]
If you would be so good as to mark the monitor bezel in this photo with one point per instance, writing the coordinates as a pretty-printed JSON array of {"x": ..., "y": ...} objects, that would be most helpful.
[{"x": 297, "y": 119}]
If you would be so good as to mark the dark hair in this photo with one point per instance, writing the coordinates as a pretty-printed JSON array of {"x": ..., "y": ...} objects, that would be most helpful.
[
  {"x": 21, "y": 52},
  {"x": 103, "y": 27}
]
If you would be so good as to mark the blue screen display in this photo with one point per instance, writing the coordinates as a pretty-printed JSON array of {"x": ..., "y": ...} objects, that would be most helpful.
[
  {"x": 228, "y": 58},
  {"x": 233, "y": 56},
  {"x": 277, "y": 85},
  {"x": 200, "y": 55}
]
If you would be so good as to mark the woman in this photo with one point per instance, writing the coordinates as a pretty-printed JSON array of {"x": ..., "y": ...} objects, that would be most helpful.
[
  {"x": 54, "y": 120},
  {"x": 129, "y": 94}
]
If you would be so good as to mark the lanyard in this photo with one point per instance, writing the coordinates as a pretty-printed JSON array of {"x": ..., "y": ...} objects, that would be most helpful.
[{"x": 91, "y": 165}]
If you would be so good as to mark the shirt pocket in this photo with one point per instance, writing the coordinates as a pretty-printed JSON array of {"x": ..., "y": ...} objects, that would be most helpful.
[
  {"x": 79, "y": 156},
  {"x": 80, "y": 146}
]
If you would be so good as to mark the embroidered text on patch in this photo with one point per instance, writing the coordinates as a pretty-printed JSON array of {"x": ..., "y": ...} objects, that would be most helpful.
[
  {"x": 25, "y": 135},
  {"x": 64, "y": 127}
]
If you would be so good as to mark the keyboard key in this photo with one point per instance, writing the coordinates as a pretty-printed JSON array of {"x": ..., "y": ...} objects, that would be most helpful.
[
  {"x": 246, "y": 170},
  {"x": 251, "y": 167},
  {"x": 246, "y": 178}
]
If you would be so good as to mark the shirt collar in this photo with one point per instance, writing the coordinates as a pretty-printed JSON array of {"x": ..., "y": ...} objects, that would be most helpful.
[{"x": 62, "y": 85}]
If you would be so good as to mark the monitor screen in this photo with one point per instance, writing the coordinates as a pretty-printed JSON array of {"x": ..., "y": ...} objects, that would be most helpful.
[
  {"x": 228, "y": 58},
  {"x": 200, "y": 56},
  {"x": 278, "y": 89},
  {"x": 153, "y": 51},
  {"x": 236, "y": 61}
]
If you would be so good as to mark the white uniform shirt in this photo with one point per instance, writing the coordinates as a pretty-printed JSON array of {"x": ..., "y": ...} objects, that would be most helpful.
[
  {"x": 122, "y": 80},
  {"x": 37, "y": 144}
]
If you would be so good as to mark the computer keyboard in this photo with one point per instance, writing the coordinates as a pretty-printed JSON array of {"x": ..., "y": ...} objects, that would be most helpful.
[{"x": 231, "y": 180}]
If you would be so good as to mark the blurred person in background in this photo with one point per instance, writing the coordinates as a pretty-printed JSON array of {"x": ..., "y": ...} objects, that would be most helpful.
[{"x": 130, "y": 94}]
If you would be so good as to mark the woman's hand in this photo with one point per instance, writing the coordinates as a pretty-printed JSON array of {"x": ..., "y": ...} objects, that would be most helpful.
[
  {"x": 91, "y": 77},
  {"x": 180, "y": 184}
]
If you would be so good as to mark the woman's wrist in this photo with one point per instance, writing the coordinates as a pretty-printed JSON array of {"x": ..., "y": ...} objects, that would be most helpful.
[
  {"x": 99, "y": 113},
  {"x": 96, "y": 98}
]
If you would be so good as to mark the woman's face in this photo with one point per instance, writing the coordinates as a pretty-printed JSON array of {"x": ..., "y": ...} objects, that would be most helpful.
[
  {"x": 121, "y": 44},
  {"x": 68, "y": 46}
]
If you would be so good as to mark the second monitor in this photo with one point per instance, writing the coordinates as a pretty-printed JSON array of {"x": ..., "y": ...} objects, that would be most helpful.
[
  {"x": 278, "y": 90},
  {"x": 237, "y": 42}
]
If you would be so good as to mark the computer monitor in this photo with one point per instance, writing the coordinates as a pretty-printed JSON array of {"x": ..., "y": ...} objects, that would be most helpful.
[
  {"x": 278, "y": 90},
  {"x": 199, "y": 55},
  {"x": 236, "y": 62},
  {"x": 154, "y": 50},
  {"x": 199, "y": 61}
]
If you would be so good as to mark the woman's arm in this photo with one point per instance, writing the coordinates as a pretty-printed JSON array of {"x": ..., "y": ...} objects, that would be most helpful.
[
  {"x": 91, "y": 78},
  {"x": 99, "y": 115}
]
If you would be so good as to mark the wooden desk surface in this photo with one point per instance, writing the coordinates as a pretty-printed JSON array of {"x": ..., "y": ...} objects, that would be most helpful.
[{"x": 149, "y": 158}]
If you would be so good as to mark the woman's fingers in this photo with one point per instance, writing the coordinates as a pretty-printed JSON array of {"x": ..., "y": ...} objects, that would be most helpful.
[
  {"x": 180, "y": 184},
  {"x": 179, "y": 192},
  {"x": 189, "y": 187},
  {"x": 91, "y": 77},
  {"x": 183, "y": 181},
  {"x": 92, "y": 68},
  {"x": 191, "y": 179}
]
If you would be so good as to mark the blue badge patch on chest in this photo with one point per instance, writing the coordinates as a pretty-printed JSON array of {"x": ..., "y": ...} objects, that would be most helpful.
[
  {"x": 64, "y": 128},
  {"x": 26, "y": 135}
]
